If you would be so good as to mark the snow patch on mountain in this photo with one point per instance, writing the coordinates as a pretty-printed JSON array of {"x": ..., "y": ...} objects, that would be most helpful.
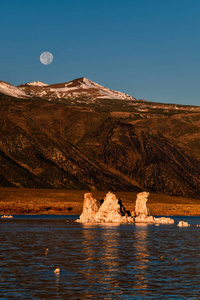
[
  {"x": 103, "y": 91},
  {"x": 36, "y": 83},
  {"x": 74, "y": 88},
  {"x": 11, "y": 90},
  {"x": 63, "y": 90}
]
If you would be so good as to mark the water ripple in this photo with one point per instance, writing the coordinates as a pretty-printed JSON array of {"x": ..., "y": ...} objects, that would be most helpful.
[{"x": 98, "y": 261}]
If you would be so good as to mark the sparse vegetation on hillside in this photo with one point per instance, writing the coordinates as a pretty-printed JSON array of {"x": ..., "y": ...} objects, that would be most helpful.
[{"x": 104, "y": 144}]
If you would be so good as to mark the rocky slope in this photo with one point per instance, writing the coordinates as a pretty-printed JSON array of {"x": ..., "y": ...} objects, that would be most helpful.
[{"x": 84, "y": 142}]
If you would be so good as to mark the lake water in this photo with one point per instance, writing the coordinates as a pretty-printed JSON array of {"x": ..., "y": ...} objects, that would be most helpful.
[{"x": 98, "y": 261}]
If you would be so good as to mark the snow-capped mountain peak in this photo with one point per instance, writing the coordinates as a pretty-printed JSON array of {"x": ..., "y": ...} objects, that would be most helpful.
[{"x": 73, "y": 89}]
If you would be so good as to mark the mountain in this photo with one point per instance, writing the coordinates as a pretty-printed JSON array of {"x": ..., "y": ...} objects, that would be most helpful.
[
  {"x": 75, "y": 139},
  {"x": 81, "y": 86}
]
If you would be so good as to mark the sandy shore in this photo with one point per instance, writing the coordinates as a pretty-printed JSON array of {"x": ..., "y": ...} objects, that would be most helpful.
[{"x": 40, "y": 201}]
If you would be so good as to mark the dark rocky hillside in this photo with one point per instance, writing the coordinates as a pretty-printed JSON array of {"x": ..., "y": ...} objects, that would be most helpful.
[{"x": 118, "y": 145}]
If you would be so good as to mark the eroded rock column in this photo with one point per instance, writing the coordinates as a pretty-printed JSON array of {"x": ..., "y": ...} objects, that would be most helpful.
[
  {"x": 90, "y": 209},
  {"x": 141, "y": 210},
  {"x": 111, "y": 211}
]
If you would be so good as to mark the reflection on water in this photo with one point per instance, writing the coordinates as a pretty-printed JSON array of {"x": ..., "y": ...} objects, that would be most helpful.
[
  {"x": 141, "y": 255},
  {"x": 100, "y": 261},
  {"x": 101, "y": 245}
]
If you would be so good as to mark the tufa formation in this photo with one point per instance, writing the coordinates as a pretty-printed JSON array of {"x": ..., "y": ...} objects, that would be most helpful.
[{"x": 112, "y": 210}]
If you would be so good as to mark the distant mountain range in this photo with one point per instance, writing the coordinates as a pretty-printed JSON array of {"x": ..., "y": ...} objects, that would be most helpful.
[{"x": 81, "y": 135}]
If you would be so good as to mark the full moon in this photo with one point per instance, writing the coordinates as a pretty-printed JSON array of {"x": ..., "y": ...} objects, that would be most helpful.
[{"x": 46, "y": 58}]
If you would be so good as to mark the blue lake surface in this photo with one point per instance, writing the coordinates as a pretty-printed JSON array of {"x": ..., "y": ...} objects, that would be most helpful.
[{"x": 98, "y": 261}]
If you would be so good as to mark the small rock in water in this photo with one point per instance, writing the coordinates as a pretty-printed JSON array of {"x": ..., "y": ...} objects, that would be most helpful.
[
  {"x": 46, "y": 251},
  {"x": 163, "y": 220},
  {"x": 183, "y": 224}
]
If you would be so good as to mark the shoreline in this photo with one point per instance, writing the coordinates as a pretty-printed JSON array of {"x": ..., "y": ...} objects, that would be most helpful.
[{"x": 23, "y": 201}]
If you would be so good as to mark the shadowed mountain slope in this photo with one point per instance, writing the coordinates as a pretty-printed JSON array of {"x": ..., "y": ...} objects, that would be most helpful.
[{"x": 115, "y": 144}]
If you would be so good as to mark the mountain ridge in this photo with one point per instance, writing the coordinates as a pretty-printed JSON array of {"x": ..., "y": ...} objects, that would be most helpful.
[
  {"x": 72, "y": 88},
  {"x": 115, "y": 144}
]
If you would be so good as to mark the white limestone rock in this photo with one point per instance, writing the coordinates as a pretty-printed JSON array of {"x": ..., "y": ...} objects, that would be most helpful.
[
  {"x": 111, "y": 211},
  {"x": 144, "y": 219},
  {"x": 183, "y": 224},
  {"x": 141, "y": 204},
  {"x": 90, "y": 209},
  {"x": 163, "y": 220},
  {"x": 141, "y": 210}
]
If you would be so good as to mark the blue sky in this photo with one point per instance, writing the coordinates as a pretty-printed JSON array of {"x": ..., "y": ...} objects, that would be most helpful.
[{"x": 149, "y": 49}]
